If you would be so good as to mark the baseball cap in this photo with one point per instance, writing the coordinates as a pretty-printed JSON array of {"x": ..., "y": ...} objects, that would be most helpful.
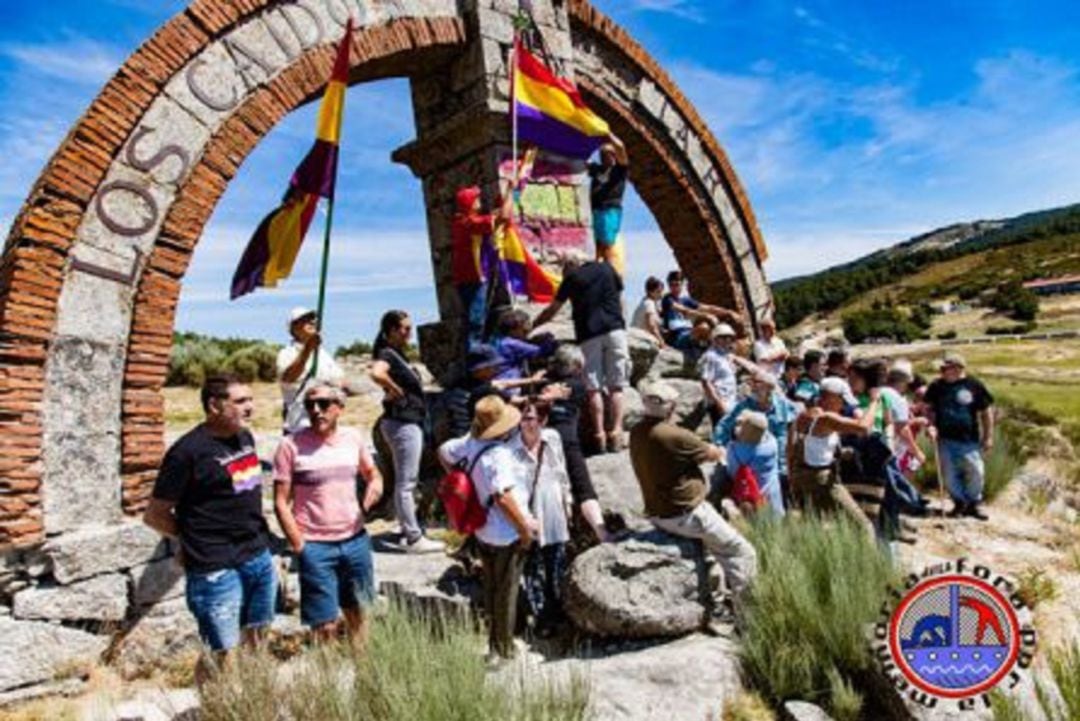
[
  {"x": 834, "y": 385},
  {"x": 953, "y": 359},
  {"x": 903, "y": 367},
  {"x": 297, "y": 313},
  {"x": 723, "y": 330},
  {"x": 656, "y": 397}
]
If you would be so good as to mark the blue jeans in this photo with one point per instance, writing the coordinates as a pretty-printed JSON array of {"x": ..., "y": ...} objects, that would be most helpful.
[
  {"x": 227, "y": 600},
  {"x": 335, "y": 575},
  {"x": 962, "y": 466},
  {"x": 406, "y": 441},
  {"x": 474, "y": 300}
]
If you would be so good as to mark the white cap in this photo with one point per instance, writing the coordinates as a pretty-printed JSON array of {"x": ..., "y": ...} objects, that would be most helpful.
[
  {"x": 834, "y": 385},
  {"x": 723, "y": 330},
  {"x": 297, "y": 313},
  {"x": 657, "y": 398},
  {"x": 903, "y": 367}
]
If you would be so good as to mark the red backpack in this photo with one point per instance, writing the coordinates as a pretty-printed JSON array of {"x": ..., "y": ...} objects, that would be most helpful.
[
  {"x": 457, "y": 492},
  {"x": 746, "y": 488}
]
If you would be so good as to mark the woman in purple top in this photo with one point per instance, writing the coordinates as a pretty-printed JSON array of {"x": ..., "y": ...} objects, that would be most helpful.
[{"x": 514, "y": 348}]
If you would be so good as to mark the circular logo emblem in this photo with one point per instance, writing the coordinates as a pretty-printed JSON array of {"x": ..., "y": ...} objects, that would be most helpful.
[{"x": 955, "y": 635}]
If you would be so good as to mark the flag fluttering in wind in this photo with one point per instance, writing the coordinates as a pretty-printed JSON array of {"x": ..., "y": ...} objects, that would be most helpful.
[
  {"x": 522, "y": 274},
  {"x": 550, "y": 111},
  {"x": 272, "y": 250}
]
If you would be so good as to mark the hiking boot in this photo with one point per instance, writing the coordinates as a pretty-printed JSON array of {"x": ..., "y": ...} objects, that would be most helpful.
[
  {"x": 959, "y": 510},
  {"x": 974, "y": 511},
  {"x": 424, "y": 545}
]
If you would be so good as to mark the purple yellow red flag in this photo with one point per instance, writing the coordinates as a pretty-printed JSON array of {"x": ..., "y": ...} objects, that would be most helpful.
[
  {"x": 272, "y": 250},
  {"x": 550, "y": 111},
  {"x": 523, "y": 274}
]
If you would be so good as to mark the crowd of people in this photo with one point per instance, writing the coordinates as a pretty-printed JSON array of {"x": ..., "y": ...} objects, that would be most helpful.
[{"x": 813, "y": 432}]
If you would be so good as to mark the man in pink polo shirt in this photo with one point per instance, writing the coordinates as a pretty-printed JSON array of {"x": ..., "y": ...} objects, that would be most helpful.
[{"x": 316, "y": 500}]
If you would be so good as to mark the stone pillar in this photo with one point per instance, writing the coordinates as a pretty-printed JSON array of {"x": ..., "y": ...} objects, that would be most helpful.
[{"x": 463, "y": 138}]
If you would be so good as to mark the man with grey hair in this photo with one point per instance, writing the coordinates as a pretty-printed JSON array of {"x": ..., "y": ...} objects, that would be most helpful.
[
  {"x": 322, "y": 516},
  {"x": 594, "y": 290},
  {"x": 666, "y": 460}
]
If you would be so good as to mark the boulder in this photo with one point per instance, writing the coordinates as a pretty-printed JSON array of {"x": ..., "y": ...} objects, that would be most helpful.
[
  {"x": 690, "y": 408},
  {"x": 433, "y": 583},
  {"x": 650, "y": 585},
  {"x": 617, "y": 487},
  {"x": 643, "y": 351},
  {"x": 103, "y": 598},
  {"x": 35, "y": 652},
  {"x": 671, "y": 363},
  {"x": 156, "y": 581},
  {"x": 633, "y": 409},
  {"x": 103, "y": 549},
  {"x": 803, "y": 711},
  {"x": 166, "y": 631}
]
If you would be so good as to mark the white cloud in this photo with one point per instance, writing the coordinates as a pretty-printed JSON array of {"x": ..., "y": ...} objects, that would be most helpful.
[
  {"x": 74, "y": 59},
  {"x": 685, "y": 9}
]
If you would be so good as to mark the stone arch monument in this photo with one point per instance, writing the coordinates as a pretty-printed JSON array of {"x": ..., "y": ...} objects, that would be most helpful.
[{"x": 92, "y": 269}]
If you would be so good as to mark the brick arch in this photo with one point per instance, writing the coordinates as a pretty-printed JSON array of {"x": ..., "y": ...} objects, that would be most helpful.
[
  {"x": 50, "y": 377},
  {"x": 678, "y": 167}
]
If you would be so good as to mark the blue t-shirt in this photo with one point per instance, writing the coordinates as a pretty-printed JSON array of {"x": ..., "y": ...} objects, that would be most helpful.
[
  {"x": 763, "y": 459},
  {"x": 780, "y": 414},
  {"x": 672, "y": 319}
]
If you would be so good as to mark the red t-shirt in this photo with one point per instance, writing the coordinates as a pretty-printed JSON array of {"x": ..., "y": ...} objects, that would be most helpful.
[{"x": 467, "y": 234}]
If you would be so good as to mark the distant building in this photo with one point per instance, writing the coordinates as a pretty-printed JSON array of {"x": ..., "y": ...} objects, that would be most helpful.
[{"x": 1055, "y": 286}]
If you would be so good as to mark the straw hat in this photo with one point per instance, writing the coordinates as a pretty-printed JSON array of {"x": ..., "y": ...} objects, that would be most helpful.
[{"x": 494, "y": 417}]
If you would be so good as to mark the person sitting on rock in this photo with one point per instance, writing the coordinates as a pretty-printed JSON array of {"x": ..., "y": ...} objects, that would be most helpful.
[
  {"x": 516, "y": 350},
  {"x": 753, "y": 447},
  {"x": 208, "y": 494},
  {"x": 808, "y": 387},
  {"x": 666, "y": 460},
  {"x": 646, "y": 316},
  {"x": 540, "y": 454},
  {"x": 769, "y": 350},
  {"x": 566, "y": 394},
  {"x": 510, "y": 529},
  {"x": 678, "y": 310},
  {"x": 322, "y": 517}
]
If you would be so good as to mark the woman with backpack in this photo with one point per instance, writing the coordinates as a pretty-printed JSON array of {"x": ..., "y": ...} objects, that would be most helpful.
[
  {"x": 402, "y": 423},
  {"x": 753, "y": 457},
  {"x": 508, "y": 531}
]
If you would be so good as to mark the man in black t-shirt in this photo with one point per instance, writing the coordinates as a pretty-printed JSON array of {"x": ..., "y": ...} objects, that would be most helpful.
[
  {"x": 594, "y": 290},
  {"x": 208, "y": 494},
  {"x": 963, "y": 423},
  {"x": 607, "y": 184}
]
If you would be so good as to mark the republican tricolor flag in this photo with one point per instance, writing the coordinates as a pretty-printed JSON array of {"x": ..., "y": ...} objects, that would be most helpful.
[
  {"x": 522, "y": 274},
  {"x": 550, "y": 111},
  {"x": 272, "y": 250}
]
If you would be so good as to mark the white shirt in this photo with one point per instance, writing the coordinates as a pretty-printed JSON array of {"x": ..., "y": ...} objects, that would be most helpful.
[
  {"x": 716, "y": 369},
  {"x": 768, "y": 348},
  {"x": 552, "y": 490},
  {"x": 646, "y": 311},
  {"x": 292, "y": 398},
  {"x": 499, "y": 470}
]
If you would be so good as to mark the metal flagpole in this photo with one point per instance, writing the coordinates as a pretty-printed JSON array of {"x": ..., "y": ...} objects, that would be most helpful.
[{"x": 322, "y": 281}]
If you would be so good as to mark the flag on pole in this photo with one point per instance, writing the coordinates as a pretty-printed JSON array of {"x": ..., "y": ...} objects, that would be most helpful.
[
  {"x": 272, "y": 250},
  {"x": 550, "y": 112}
]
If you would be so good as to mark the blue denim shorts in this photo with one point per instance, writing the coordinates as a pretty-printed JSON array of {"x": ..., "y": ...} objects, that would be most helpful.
[
  {"x": 606, "y": 222},
  {"x": 335, "y": 575},
  {"x": 225, "y": 601}
]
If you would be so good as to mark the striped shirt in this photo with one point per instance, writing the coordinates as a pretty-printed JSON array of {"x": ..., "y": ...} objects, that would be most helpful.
[{"x": 322, "y": 473}]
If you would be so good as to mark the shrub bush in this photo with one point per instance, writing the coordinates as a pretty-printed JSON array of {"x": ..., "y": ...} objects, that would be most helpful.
[
  {"x": 412, "y": 668},
  {"x": 818, "y": 586},
  {"x": 356, "y": 348},
  {"x": 1064, "y": 665},
  {"x": 1018, "y": 329},
  {"x": 195, "y": 356},
  {"x": 947, "y": 335}
]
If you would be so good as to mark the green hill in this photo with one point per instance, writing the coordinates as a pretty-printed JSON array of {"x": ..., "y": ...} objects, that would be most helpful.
[{"x": 960, "y": 261}]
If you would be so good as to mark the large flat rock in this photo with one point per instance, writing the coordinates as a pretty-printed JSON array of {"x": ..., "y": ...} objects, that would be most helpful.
[
  {"x": 103, "y": 549},
  {"x": 34, "y": 652},
  {"x": 103, "y": 598},
  {"x": 433, "y": 581}
]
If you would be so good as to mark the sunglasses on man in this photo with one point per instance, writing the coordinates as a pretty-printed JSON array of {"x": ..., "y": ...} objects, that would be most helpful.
[{"x": 322, "y": 403}]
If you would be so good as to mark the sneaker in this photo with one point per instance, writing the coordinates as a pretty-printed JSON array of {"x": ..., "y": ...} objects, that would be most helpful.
[
  {"x": 977, "y": 513},
  {"x": 425, "y": 545},
  {"x": 959, "y": 510}
]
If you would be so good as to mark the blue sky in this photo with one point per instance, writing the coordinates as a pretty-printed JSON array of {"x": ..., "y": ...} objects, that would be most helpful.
[{"x": 852, "y": 125}]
